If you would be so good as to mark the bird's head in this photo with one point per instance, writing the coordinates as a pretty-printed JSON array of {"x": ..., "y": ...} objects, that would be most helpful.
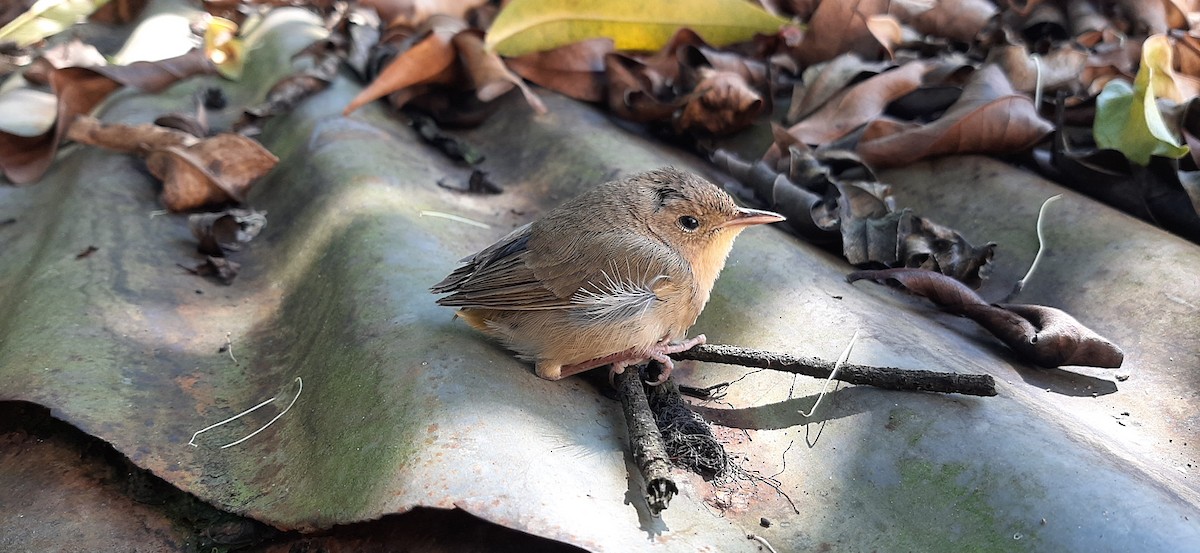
[{"x": 695, "y": 217}]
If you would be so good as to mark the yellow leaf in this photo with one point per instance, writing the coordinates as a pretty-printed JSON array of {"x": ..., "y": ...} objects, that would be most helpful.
[
  {"x": 223, "y": 47},
  {"x": 1128, "y": 119},
  {"x": 526, "y": 26},
  {"x": 46, "y": 18}
]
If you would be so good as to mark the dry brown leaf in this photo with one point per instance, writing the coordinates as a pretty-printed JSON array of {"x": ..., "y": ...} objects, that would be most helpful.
[
  {"x": 1023, "y": 7},
  {"x": 156, "y": 76},
  {"x": 1043, "y": 335},
  {"x": 691, "y": 56},
  {"x": 960, "y": 20},
  {"x": 414, "y": 13},
  {"x": 119, "y": 12},
  {"x": 488, "y": 74},
  {"x": 839, "y": 27},
  {"x": 1109, "y": 60},
  {"x": 988, "y": 118},
  {"x": 825, "y": 80},
  {"x": 73, "y": 53},
  {"x": 194, "y": 172},
  {"x": 830, "y": 197},
  {"x": 1059, "y": 70},
  {"x": 722, "y": 103},
  {"x": 888, "y": 32},
  {"x": 213, "y": 171},
  {"x": 220, "y": 267},
  {"x": 26, "y": 158},
  {"x": 129, "y": 139},
  {"x": 635, "y": 92},
  {"x": 432, "y": 60},
  {"x": 222, "y": 232},
  {"x": 1145, "y": 17},
  {"x": 859, "y": 104},
  {"x": 1187, "y": 53},
  {"x": 1087, "y": 23},
  {"x": 79, "y": 91},
  {"x": 576, "y": 70},
  {"x": 289, "y": 91}
]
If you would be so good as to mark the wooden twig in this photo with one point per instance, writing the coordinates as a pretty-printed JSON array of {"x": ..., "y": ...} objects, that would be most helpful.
[
  {"x": 880, "y": 377},
  {"x": 645, "y": 441}
]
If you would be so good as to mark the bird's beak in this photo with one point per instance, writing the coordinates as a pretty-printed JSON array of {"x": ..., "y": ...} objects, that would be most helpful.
[{"x": 747, "y": 217}]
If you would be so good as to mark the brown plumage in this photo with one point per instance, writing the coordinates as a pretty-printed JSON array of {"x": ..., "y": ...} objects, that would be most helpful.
[{"x": 614, "y": 276}]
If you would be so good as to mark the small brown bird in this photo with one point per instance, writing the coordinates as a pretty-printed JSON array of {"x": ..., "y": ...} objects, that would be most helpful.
[{"x": 615, "y": 276}]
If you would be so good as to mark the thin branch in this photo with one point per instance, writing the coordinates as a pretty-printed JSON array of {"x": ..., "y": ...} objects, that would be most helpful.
[
  {"x": 889, "y": 378},
  {"x": 645, "y": 441}
]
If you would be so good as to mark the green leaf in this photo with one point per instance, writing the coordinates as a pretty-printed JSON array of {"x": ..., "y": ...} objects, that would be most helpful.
[
  {"x": 1128, "y": 119},
  {"x": 46, "y": 18},
  {"x": 526, "y": 26}
]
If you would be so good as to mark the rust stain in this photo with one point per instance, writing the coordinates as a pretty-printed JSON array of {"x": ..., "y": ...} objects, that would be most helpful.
[{"x": 198, "y": 389}]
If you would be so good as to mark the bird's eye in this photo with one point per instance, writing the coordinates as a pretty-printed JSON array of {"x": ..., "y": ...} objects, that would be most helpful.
[{"x": 689, "y": 223}]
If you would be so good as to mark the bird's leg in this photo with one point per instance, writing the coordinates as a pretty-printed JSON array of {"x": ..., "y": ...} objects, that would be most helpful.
[
  {"x": 624, "y": 359},
  {"x": 663, "y": 349},
  {"x": 629, "y": 357}
]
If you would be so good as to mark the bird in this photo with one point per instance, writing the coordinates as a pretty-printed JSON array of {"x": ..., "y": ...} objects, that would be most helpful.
[{"x": 615, "y": 276}]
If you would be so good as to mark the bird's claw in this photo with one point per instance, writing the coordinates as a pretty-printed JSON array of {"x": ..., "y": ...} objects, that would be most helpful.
[{"x": 660, "y": 352}]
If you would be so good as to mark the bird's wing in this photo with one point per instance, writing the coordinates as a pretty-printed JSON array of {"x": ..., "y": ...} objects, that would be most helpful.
[
  {"x": 607, "y": 277},
  {"x": 497, "y": 278}
]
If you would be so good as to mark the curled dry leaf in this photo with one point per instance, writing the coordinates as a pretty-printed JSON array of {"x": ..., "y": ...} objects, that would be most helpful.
[
  {"x": 79, "y": 90},
  {"x": 1058, "y": 70},
  {"x": 989, "y": 117},
  {"x": 859, "y": 104},
  {"x": 1087, "y": 23},
  {"x": 288, "y": 92},
  {"x": 225, "y": 231},
  {"x": 721, "y": 103},
  {"x": 960, "y": 20},
  {"x": 215, "y": 170},
  {"x": 431, "y": 60},
  {"x": 826, "y": 80},
  {"x": 888, "y": 32},
  {"x": 450, "y": 145},
  {"x": 635, "y": 91},
  {"x": 119, "y": 12},
  {"x": 72, "y": 53},
  {"x": 487, "y": 72},
  {"x": 840, "y": 27},
  {"x": 222, "y": 268},
  {"x": 831, "y": 197},
  {"x": 129, "y": 139},
  {"x": 477, "y": 183},
  {"x": 1046, "y": 336}
]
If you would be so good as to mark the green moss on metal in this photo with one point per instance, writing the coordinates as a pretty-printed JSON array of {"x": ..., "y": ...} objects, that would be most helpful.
[
  {"x": 946, "y": 508},
  {"x": 351, "y": 429}
]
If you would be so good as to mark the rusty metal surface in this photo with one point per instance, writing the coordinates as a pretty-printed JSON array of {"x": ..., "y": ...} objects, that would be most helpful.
[
  {"x": 60, "y": 496},
  {"x": 402, "y": 406}
]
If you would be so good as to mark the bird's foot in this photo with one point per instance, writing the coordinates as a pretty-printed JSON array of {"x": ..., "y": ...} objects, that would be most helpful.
[
  {"x": 659, "y": 352},
  {"x": 663, "y": 349}
]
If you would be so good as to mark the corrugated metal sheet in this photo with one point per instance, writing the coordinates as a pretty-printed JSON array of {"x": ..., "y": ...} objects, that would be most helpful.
[{"x": 402, "y": 406}]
